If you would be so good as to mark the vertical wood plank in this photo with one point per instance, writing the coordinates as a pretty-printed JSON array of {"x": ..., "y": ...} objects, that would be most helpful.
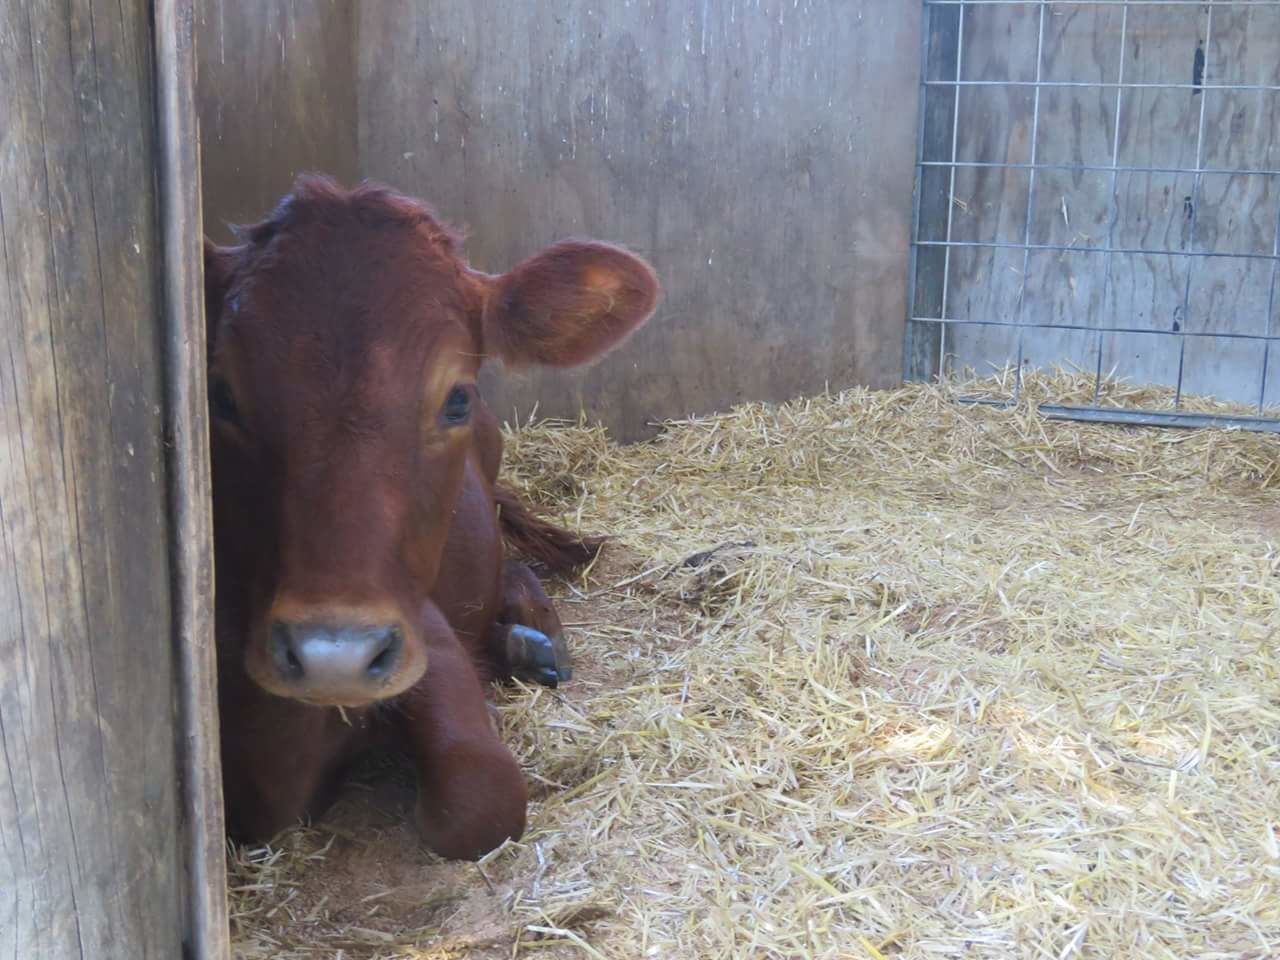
[
  {"x": 276, "y": 94},
  {"x": 90, "y": 832},
  {"x": 923, "y": 358},
  {"x": 760, "y": 155},
  {"x": 1235, "y": 209},
  {"x": 191, "y": 531}
]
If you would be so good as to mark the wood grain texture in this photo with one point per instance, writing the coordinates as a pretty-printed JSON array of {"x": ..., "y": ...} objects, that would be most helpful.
[
  {"x": 760, "y": 155},
  {"x": 923, "y": 348},
  {"x": 207, "y": 933},
  {"x": 89, "y": 825},
  {"x": 1230, "y": 211},
  {"x": 276, "y": 95}
]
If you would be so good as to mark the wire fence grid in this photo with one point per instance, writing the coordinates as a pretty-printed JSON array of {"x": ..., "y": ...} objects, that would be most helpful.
[{"x": 1111, "y": 60}]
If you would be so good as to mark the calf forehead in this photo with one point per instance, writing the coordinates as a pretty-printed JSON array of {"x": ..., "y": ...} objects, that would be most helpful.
[
  {"x": 351, "y": 285},
  {"x": 326, "y": 257},
  {"x": 353, "y": 312}
]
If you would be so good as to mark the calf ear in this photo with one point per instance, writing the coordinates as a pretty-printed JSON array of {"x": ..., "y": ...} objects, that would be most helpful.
[
  {"x": 567, "y": 305},
  {"x": 217, "y": 278}
]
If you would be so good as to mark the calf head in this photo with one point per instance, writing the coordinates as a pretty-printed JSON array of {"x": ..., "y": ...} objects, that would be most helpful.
[{"x": 346, "y": 334}]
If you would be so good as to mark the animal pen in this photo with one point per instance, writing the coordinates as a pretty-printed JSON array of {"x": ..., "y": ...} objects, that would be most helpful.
[
  {"x": 1098, "y": 189},
  {"x": 913, "y": 637}
]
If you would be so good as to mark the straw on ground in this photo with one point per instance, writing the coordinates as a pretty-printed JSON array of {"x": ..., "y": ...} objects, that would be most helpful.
[{"x": 870, "y": 675}]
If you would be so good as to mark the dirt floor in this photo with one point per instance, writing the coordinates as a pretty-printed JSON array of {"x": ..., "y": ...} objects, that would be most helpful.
[{"x": 868, "y": 676}]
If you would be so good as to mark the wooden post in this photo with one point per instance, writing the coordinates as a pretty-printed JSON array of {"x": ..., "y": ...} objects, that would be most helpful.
[
  {"x": 191, "y": 533},
  {"x": 108, "y": 768},
  {"x": 922, "y": 354}
]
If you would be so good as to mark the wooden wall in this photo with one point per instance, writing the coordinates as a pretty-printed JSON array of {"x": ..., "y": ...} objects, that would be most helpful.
[
  {"x": 744, "y": 148},
  {"x": 97, "y": 811},
  {"x": 1230, "y": 212},
  {"x": 276, "y": 97}
]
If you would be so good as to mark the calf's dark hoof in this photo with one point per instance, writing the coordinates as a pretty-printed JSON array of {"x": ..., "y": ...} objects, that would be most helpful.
[{"x": 535, "y": 657}]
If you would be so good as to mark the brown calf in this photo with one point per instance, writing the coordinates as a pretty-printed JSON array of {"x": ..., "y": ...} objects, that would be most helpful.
[{"x": 358, "y": 528}]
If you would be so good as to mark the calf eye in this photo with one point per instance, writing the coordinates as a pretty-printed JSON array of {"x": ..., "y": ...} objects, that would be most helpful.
[
  {"x": 457, "y": 407},
  {"x": 222, "y": 403}
]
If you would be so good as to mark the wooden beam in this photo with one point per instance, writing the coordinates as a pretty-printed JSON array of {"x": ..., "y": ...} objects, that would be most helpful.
[
  {"x": 90, "y": 863},
  {"x": 191, "y": 528}
]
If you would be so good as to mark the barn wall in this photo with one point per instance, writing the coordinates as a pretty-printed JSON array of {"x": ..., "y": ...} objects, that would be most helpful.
[
  {"x": 744, "y": 148},
  {"x": 1169, "y": 226},
  {"x": 276, "y": 97},
  {"x": 95, "y": 829}
]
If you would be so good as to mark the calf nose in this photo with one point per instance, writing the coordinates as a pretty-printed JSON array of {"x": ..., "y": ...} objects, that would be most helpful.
[{"x": 341, "y": 663}]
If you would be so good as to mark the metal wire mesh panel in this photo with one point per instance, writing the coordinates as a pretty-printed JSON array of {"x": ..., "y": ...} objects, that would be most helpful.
[{"x": 1099, "y": 187}]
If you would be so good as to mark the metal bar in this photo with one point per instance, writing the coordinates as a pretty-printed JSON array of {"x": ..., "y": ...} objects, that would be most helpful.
[
  {"x": 951, "y": 189},
  {"x": 1109, "y": 250},
  {"x": 1137, "y": 418},
  {"x": 191, "y": 531},
  {"x": 1067, "y": 248},
  {"x": 1082, "y": 328},
  {"x": 1031, "y": 199},
  {"x": 1159, "y": 418},
  {"x": 1195, "y": 210},
  {"x": 1102, "y": 85},
  {"x": 1271, "y": 313},
  {"x": 1115, "y": 198},
  {"x": 914, "y": 250},
  {"x": 1102, "y": 3},
  {"x": 1094, "y": 168},
  {"x": 921, "y": 361}
]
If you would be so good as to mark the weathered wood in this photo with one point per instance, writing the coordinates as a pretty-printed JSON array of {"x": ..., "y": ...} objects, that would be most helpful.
[
  {"x": 923, "y": 358},
  {"x": 276, "y": 96},
  {"x": 1232, "y": 212},
  {"x": 991, "y": 203},
  {"x": 760, "y": 155},
  {"x": 90, "y": 829},
  {"x": 191, "y": 524},
  {"x": 746, "y": 152}
]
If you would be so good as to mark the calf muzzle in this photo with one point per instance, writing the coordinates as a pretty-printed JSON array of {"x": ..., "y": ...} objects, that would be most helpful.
[{"x": 335, "y": 663}]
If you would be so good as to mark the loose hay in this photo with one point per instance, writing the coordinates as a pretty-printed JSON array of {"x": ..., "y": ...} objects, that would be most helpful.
[{"x": 872, "y": 675}]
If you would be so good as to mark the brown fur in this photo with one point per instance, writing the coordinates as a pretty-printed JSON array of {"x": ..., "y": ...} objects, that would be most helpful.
[
  {"x": 346, "y": 495},
  {"x": 553, "y": 548}
]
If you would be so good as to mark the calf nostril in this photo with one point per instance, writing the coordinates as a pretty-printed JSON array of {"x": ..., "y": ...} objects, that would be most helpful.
[
  {"x": 284, "y": 653},
  {"x": 314, "y": 658},
  {"x": 387, "y": 653}
]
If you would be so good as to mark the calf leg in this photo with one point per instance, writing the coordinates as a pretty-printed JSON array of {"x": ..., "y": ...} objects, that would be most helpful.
[
  {"x": 281, "y": 763},
  {"x": 471, "y": 793},
  {"x": 528, "y": 639}
]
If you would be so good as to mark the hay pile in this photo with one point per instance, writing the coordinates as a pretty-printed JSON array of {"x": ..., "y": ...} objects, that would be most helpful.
[{"x": 874, "y": 675}]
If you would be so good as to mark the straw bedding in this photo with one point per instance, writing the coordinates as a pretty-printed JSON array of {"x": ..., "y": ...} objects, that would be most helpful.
[{"x": 872, "y": 675}]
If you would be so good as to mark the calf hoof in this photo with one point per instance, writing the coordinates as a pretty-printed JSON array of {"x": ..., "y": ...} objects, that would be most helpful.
[
  {"x": 535, "y": 657},
  {"x": 476, "y": 802}
]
